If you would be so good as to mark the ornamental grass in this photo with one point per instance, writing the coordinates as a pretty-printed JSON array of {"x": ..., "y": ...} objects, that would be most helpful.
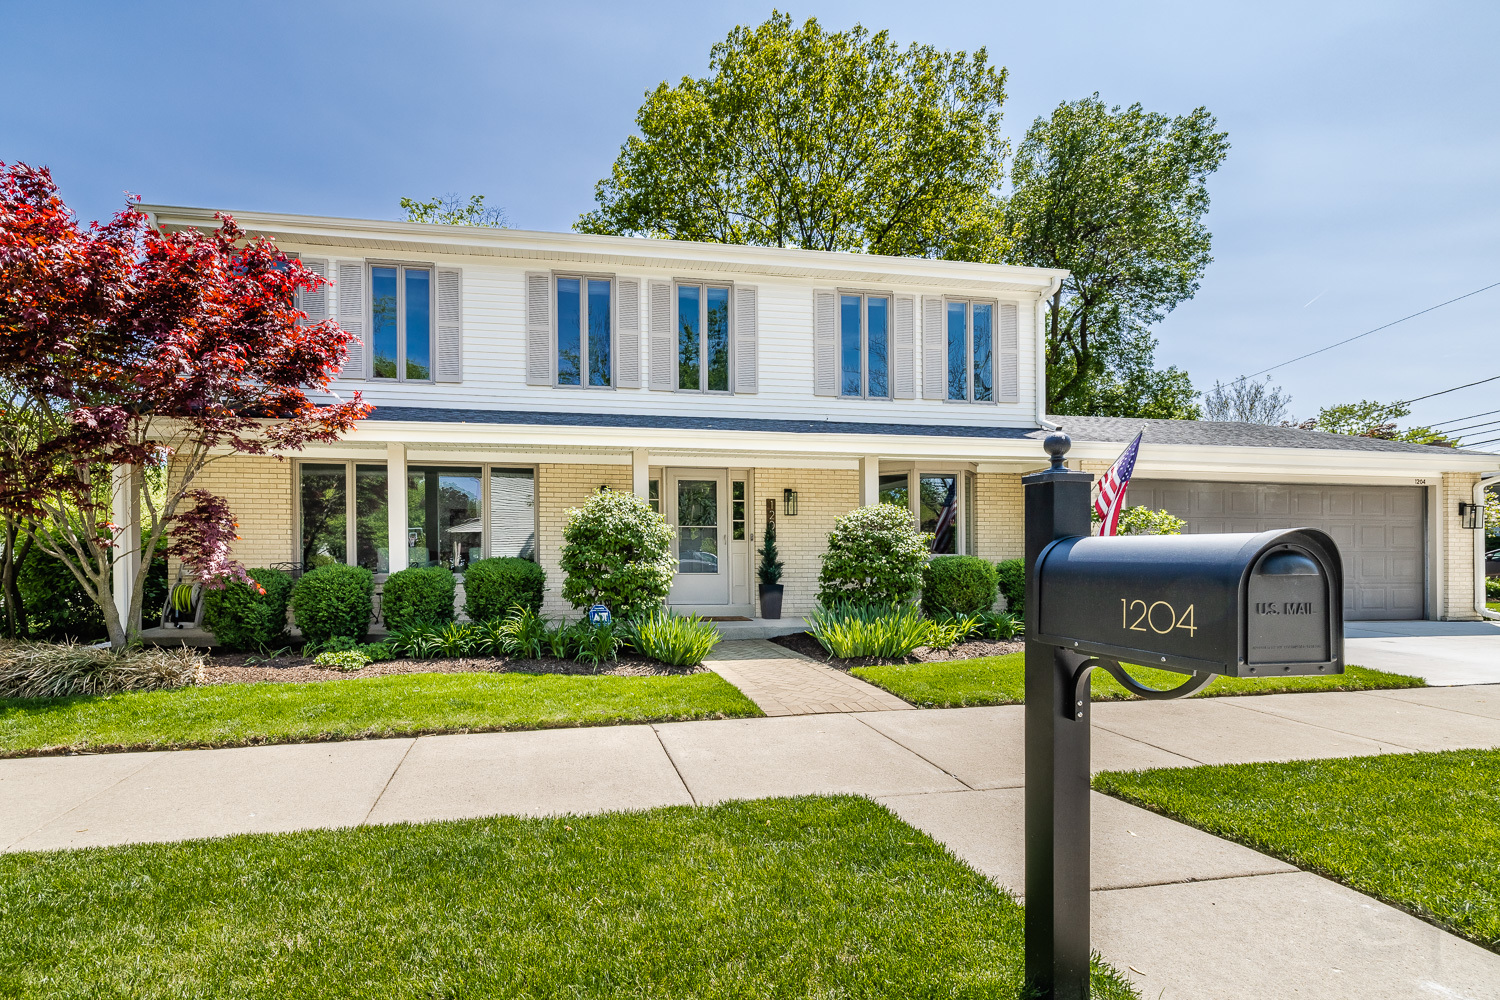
[{"x": 48, "y": 670}]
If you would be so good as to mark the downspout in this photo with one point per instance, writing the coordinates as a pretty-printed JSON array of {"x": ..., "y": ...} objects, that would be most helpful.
[
  {"x": 1479, "y": 577},
  {"x": 1041, "y": 355}
]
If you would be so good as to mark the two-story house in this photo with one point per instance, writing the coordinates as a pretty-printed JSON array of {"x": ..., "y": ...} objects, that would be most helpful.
[{"x": 514, "y": 373}]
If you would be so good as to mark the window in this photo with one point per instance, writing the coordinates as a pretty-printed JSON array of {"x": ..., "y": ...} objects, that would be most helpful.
[
  {"x": 737, "y": 509},
  {"x": 703, "y": 338},
  {"x": 584, "y": 333},
  {"x": 401, "y": 322},
  {"x": 653, "y": 494},
  {"x": 896, "y": 489},
  {"x": 971, "y": 339},
  {"x": 330, "y": 531},
  {"x": 864, "y": 343},
  {"x": 444, "y": 525},
  {"x": 937, "y": 513},
  {"x": 513, "y": 513}
]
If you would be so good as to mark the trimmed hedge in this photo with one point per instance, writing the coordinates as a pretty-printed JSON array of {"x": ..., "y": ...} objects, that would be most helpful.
[
  {"x": 1011, "y": 576},
  {"x": 422, "y": 595},
  {"x": 875, "y": 556},
  {"x": 333, "y": 601},
  {"x": 958, "y": 585},
  {"x": 493, "y": 586},
  {"x": 241, "y": 618},
  {"x": 617, "y": 552}
]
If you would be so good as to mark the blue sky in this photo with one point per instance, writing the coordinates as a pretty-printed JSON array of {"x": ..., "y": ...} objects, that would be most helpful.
[{"x": 1363, "y": 183}]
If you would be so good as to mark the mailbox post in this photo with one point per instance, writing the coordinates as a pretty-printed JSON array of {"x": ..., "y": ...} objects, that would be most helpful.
[{"x": 1267, "y": 604}]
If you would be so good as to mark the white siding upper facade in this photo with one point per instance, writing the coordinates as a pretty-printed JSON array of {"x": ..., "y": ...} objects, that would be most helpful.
[{"x": 494, "y": 323}]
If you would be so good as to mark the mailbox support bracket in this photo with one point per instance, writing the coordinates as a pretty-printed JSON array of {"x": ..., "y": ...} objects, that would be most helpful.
[{"x": 1197, "y": 682}]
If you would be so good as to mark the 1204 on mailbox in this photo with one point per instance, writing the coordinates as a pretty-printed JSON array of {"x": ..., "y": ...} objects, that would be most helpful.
[{"x": 1236, "y": 604}]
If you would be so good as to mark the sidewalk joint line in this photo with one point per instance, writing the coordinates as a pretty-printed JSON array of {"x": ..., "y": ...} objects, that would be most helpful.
[
  {"x": 858, "y": 717},
  {"x": 1191, "y": 881},
  {"x": 85, "y": 801},
  {"x": 675, "y": 769},
  {"x": 388, "y": 779},
  {"x": 1144, "y": 743}
]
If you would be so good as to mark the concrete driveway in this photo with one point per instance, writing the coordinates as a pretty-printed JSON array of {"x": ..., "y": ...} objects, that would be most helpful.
[{"x": 1441, "y": 653}]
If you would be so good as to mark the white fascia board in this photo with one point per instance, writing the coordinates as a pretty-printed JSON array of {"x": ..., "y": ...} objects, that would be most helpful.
[
  {"x": 619, "y": 251},
  {"x": 1284, "y": 464}
]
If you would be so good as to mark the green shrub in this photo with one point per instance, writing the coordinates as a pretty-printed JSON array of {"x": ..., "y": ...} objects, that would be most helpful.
[
  {"x": 997, "y": 625},
  {"x": 1492, "y": 588},
  {"x": 1010, "y": 574},
  {"x": 875, "y": 556},
  {"x": 852, "y": 630},
  {"x": 422, "y": 595},
  {"x": 56, "y": 606},
  {"x": 1145, "y": 521},
  {"x": 523, "y": 633},
  {"x": 617, "y": 552},
  {"x": 242, "y": 618},
  {"x": 349, "y": 659},
  {"x": 958, "y": 585},
  {"x": 677, "y": 640},
  {"x": 334, "y": 600},
  {"x": 948, "y": 631},
  {"x": 492, "y": 587},
  {"x": 377, "y": 651},
  {"x": 598, "y": 643}
]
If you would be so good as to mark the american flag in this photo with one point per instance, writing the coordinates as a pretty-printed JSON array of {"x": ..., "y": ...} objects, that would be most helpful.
[{"x": 1110, "y": 501}]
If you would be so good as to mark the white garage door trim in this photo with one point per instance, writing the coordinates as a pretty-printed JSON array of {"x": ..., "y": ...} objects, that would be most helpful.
[{"x": 1381, "y": 531}]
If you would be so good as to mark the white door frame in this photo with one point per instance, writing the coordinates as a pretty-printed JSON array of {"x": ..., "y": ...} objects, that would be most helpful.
[{"x": 695, "y": 591}]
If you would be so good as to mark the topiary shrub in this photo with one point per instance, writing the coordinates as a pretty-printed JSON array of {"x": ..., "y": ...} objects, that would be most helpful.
[
  {"x": 875, "y": 556},
  {"x": 617, "y": 552},
  {"x": 1010, "y": 574},
  {"x": 958, "y": 585},
  {"x": 242, "y": 617},
  {"x": 493, "y": 586},
  {"x": 422, "y": 595},
  {"x": 334, "y": 600}
]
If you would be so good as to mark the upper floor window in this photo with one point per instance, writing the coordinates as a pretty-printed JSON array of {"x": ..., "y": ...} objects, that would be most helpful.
[
  {"x": 703, "y": 338},
  {"x": 864, "y": 345},
  {"x": 401, "y": 322},
  {"x": 971, "y": 341},
  {"x": 584, "y": 332}
]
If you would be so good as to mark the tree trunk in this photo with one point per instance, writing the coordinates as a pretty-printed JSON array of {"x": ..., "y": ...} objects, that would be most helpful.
[{"x": 16, "y": 626}]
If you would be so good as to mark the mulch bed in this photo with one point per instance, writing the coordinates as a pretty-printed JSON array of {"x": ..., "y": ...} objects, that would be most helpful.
[
  {"x": 250, "y": 668},
  {"x": 804, "y": 643}
]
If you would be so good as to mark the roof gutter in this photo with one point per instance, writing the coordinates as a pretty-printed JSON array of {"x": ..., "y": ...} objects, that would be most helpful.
[
  {"x": 1479, "y": 577},
  {"x": 1041, "y": 353}
]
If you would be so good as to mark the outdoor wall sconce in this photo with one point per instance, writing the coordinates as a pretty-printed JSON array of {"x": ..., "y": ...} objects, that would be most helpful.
[
  {"x": 789, "y": 502},
  {"x": 1470, "y": 515}
]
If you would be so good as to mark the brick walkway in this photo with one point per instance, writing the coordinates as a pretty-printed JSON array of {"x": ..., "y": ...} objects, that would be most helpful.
[{"x": 782, "y": 682}]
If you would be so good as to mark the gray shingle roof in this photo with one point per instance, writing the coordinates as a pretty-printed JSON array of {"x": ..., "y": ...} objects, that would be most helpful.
[{"x": 1101, "y": 429}]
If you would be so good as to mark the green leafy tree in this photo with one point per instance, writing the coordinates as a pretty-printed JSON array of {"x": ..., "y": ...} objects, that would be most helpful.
[
  {"x": 1372, "y": 419},
  {"x": 875, "y": 556},
  {"x": 801, "y": 137},
  {"x": 1117, "y": 196},
  {"x": 451, "y": 210},
  {"x": 1145, "y": 521}
]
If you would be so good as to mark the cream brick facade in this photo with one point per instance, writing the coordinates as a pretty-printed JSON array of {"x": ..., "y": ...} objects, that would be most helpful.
[
  {"x": 822, "y": 495},
  {"x": 259, "y": 493},
  {"x": 559, "y": 489},
  {"x": 1458, "y": 549},
  {"x": 999, "y": 522}
]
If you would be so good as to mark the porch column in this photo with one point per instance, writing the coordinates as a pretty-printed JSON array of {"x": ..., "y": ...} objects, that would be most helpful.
[
  {"x": 869, "y": 480},
  {"x": 640, "y": 473},
  {"x": 125, "y": 514},
  {"x": 395, "y": 487}
]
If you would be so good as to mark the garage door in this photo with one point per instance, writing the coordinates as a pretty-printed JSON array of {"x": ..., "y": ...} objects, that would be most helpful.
[{"x": 1379, "y": 530}]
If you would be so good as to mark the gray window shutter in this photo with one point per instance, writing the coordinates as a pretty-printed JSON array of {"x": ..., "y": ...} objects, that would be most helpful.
[
  {"x": 628, "y": 333},
  {"x": 1008, "y": 378},
  {"x": 350, "y": 292},
  {"x": 746, "y": 339},
  {"x": 315, "y": 304},
  {"x": 904, "y": 382},
  {"x": 934, "y": 349},
  {"x": 450, "y": 325},
  {"x": 663, "y": 350},
  {"x": 825, "y": 344},
  {"x": 539, "y": 359}
]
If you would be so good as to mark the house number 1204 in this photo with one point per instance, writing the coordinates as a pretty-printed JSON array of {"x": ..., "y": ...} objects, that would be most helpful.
[{"x": 1160, "y": 616}]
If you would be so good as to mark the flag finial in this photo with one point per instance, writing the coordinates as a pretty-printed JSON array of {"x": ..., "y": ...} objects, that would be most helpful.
[{"x": 1057, "y": 444}]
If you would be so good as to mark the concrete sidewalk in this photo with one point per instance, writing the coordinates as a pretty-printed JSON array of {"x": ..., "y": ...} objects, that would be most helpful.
[{"x": 1167, "y": 900}]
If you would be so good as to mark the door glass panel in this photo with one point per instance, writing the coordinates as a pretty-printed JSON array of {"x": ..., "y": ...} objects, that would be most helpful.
[
  {"x": 598, "y": 332},
  {"x": 939, "y": 512},
  {"x": 513, "y": 513},
  {"x": 850, "y": 373},
  {"x": 697, "y": 526},
  {"x": 324, "y": 515},
  {"x": 737, "y": 509},
  {"x": 688, "y": 346},
  {"x": 383, "y": 320},
  {"x": 877, "y": 338},
  {"x": 372, "y": 525},
  {"x": 718, "y": 340},
  {"x": 443, "y": 516},
  {"x": 569, "y": 347},
  {"x": 418, "y": 325}
]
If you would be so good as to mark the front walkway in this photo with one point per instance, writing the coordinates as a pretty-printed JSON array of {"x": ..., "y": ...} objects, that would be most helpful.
[
  {"x": 1183, "y": 913},
  {"x": 782, "y": 682},
  {"x": 1441, "y": 653}
]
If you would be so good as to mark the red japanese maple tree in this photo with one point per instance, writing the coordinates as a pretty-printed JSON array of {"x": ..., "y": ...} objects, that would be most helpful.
[{"x": 125, "y": 348}]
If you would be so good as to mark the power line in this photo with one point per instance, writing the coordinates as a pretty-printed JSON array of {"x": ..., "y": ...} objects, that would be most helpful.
[
  {"x": 1445, "y": 392},
  {"x": 1470, "y": 427},
  {"x": 1377, "y": 329},
  {"x": 1471, "y": 416},
  {"x": 1476, "y": 444}
]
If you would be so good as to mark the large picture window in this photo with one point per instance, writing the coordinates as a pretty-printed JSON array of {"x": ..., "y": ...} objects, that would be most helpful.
[
  {"x": 513, "y": 513},
  {"x": 703, "y": 338},
  {"x": 340, "y": 524},
  {"x": 941, "y": 503},
  {"x": 971, "y": 347},
  {"x": 864, "y": 345},
  {"x": 584, "y": 331},
  {"x": 401, "y": 322},
  {"x": 444, "y": 519}
]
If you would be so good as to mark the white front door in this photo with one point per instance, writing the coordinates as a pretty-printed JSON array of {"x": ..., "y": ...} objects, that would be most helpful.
[{"x": 697, "y": 506}]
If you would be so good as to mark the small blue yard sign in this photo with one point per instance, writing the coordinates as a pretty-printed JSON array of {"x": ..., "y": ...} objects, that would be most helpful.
[{"x": 599, "y": 615}]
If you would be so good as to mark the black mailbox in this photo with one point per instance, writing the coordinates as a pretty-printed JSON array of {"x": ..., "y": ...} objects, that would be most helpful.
[{"x": 1246, "y": 605}]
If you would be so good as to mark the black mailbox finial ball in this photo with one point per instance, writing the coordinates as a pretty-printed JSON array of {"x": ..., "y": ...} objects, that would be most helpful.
[{"x": 1057, "y": 444}]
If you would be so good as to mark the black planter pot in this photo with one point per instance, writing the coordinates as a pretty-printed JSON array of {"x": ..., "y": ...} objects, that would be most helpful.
[{"x": 770, "y": 600}]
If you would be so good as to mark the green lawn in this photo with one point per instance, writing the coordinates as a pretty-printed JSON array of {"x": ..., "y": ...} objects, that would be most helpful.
[
  {"x": 811, "y": 897},
  {"x": 1418, "y": 830},
  {"x": 1001, "y": 680},
  {"x": 403, "y": 704}
]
